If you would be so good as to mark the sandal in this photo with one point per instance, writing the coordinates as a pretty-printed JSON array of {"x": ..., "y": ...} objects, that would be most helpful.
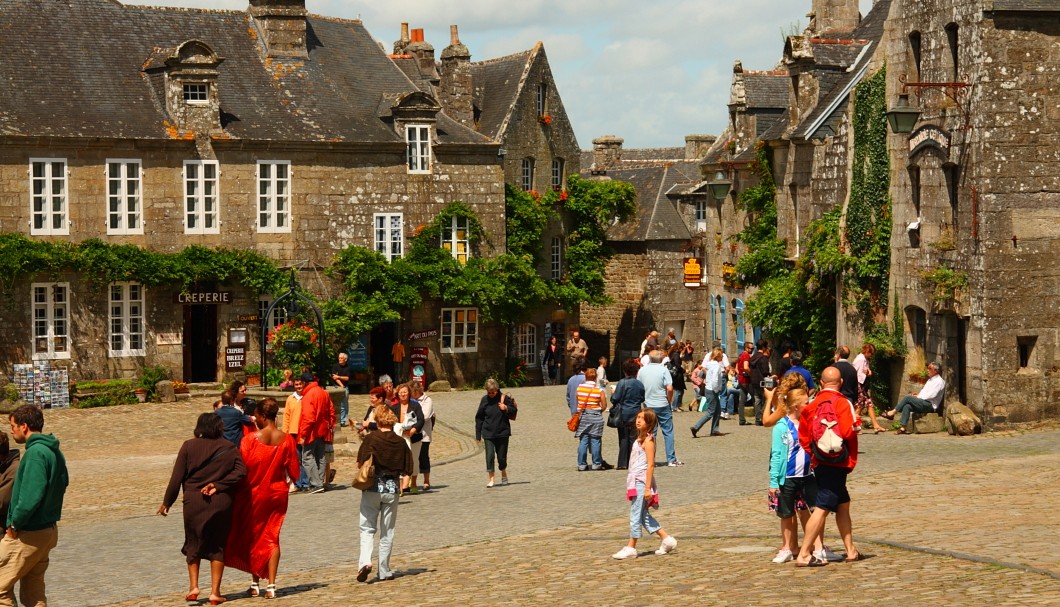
[
  {"x": 859, "y": 557},
  {"x": 888, "y": 414},
  {"x": 901, "y": 430},
  {"x": 254, "y": 590},
  {"x": 270, "y": 591},
  {"x": 878, "y": 430},
  {"x": 813, "y": 562},
  {"x": 192, "y": 596},
  {"x": 218, "y": 601}
]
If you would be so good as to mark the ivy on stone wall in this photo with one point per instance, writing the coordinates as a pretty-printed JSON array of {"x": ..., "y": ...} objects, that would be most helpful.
[
  {"x": 102, "y": 263},
  {"x": 765, "y": 252}
]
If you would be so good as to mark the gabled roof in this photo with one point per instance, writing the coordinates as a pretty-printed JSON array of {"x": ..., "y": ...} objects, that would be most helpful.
[
  {"x": 497, "y": 84},
  {"x": 868, "y": 33},
  {"x": 657, "y": 216},
  {"x": 836, "y": 53},
  {"x": 91, "y": 69},
  {"x": 766, "y": 90}
]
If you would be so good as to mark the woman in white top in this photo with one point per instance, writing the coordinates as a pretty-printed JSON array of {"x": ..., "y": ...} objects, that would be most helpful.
[{"x": 427, "y": 405}]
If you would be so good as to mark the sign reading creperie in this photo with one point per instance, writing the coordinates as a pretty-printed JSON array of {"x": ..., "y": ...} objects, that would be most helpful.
[{"x": 204, "y": 297}]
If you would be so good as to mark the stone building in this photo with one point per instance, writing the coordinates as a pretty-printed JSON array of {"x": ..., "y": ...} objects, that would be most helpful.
[
  {"x": 513, "y": 100},
  {"x": 267, "y": 129}
]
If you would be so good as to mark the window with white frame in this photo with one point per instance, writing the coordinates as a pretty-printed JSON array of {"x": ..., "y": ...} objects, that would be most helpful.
[
  {"x": 279, "y": 314},
  {"x": 126, "y": 319},
  {"x": 557, "y": 258},
  {"x": 557, "y": 174},
  {"x": 455, "y": 240},
  {"x": 459, "y": 330},
  {"x": 274, "y": 196},
  {"x": 701, "y": 215},
  {"x": 389, "y": 238},
  {"x": 526, "y": 343},
  {"x": 48, "y": 204},
  {"x": 528, "y": 174},
  {"x": 542, "y": 92},
  {"x": 124, "y": 197},
  {"x": 196, "y": 92},
  {"x": 418, "y": 140},
  {"x": 51, "y": 320},
  {"x": 200, "y": 197}
]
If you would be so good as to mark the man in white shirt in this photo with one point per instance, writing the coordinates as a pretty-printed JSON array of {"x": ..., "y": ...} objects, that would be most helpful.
[
  {"x": 928, "y": 399},
  {"x": 658, "y": 392}
]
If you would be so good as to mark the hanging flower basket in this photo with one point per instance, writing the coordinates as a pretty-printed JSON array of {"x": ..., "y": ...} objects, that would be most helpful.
[
  {"x": 544, "y": 119},
  {"x": 294, "y": 346}
]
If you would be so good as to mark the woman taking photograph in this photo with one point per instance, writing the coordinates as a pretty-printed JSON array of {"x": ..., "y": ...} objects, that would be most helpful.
[
  {"x": 261, "y": 503},
  {"x": 628, "y": 397},
  {"x": 392, "y": 459},
  {"x": 493, "y": 424},
  {"x": 208, "y": 470}
]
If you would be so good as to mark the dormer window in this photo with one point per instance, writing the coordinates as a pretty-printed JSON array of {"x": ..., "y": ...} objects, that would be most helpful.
[
  {"x": 418, "y": 140},
  {"x": 196, "y": 93}
]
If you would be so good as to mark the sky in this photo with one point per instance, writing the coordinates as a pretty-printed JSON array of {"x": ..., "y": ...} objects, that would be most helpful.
[{"x": 649, "y": 72}]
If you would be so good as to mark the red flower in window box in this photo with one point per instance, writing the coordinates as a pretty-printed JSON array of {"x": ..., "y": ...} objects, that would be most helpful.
[
  {"x": 545, "y": 119},
  {"x": 564, "y": 195}
]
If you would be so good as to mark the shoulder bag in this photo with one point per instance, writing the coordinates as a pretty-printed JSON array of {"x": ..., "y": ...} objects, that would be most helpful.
[
  {"x": 365, "y": 478},
  {"x": 572, "y": 423}
]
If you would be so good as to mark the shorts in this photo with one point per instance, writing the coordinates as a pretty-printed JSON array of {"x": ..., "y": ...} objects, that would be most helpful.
[
  {"x": 831, "y": 487},
  {"x": 797, "y": 493},
  {"x": 329, "y": 453}
]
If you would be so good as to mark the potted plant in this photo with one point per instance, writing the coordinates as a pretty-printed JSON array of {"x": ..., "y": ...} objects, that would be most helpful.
[
  {"x": 149, "y": 378},
  {"x": 294, "y": 344},
  {"x": 141, "y": 394},
  {"x": 253, "y": 373}
]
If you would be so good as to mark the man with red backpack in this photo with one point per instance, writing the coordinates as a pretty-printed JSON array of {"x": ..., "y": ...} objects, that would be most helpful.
[{"x": 831, "y": 439}]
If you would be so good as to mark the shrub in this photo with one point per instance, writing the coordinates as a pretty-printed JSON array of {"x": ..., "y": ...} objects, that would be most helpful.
[
  {"x": 151, "y": 376},
  {"x": 105, "y": 393}
]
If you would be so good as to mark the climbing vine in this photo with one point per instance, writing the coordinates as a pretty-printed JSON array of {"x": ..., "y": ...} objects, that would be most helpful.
[{"x": 102, "y": 263}]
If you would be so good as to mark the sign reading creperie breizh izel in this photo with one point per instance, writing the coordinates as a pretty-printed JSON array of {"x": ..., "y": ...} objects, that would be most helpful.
[{"x": 204, "y": 297}]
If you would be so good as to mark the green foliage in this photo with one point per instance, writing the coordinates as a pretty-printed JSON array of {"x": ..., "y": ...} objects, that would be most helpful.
[
  {"x": 105, "y": 393},
  {"x": 527, "y": 216},
  {"x": 10, "y": 392},
  {"x": 765, "y": 256},
  {"x": 151, "y": 376},
  {"x": 944, "y": 282},
  {"x": 104, "y": 263},
  {"x": 302, "y": 336}
]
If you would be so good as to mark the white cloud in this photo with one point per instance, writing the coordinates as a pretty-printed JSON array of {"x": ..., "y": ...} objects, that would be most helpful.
[{"x": 650, "y": 72}]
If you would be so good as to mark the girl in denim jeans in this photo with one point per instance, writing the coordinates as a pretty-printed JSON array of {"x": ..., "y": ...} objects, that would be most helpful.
[{"x": 641, "y": 490}]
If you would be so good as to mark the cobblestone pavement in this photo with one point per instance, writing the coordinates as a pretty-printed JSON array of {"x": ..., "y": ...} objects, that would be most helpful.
[{"x": 946, "y": 519}]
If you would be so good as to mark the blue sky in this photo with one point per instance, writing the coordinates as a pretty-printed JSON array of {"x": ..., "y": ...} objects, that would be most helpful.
[{"x": 649, "y": 72}]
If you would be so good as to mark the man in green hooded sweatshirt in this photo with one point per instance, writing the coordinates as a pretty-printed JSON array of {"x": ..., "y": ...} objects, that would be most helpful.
[{"x": 36, "y": 505}]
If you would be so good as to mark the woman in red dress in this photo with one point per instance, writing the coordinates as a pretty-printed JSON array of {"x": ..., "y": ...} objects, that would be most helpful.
[{"x": 261, "y": 503}]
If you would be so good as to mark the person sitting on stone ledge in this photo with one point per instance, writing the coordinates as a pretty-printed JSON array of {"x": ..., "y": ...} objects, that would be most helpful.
[{"x": 927, "y": 400}]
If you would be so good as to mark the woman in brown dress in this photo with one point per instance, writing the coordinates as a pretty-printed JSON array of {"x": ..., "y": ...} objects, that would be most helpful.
[{"x": 208, "y": 469}]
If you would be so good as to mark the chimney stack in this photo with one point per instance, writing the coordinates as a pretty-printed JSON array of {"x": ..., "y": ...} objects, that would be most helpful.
[
  {"x": 424, "y": 54},
  {"x": 696, "y": 146},
  {"x": 403, "y": 43},
  {"x": 455, "y": 88},
  {"x": 282, "y": 24},
  {"x": 607, "y": 151},
  {"x": 834, "y": 17}
]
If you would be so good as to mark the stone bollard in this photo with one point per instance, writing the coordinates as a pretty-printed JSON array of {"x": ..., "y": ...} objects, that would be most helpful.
[
  {"x": 961, "y": 421},
  {"x": 164, "y": 392}
]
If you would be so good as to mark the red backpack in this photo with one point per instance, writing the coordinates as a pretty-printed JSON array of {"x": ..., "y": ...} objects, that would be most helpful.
[{"x": 827, "y": 446}]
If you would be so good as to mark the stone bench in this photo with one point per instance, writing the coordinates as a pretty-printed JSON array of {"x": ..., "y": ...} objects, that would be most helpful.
[{"x": 926, "y": 423}]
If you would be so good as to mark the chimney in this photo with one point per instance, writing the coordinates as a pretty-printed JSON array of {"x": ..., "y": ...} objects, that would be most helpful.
[
  {"x": 834, "y": 17},
  {"x": 282, "y": 25},
  {"x": 424, "y": 54},
  {"x": 455, "y": 89},
  {"x": 403, "y": 43},
  {"x": 607, "y": 151},
  {"x": 696, "y": 146}
]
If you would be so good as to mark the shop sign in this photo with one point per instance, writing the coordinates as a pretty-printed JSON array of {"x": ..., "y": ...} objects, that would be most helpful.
[
  {"x": 249, "y": 318},
  {"x": 928, "y": 136},
  {"x": 235, "y": 357},
  {"x": 693, "y": 271},
  {"x": 359, "y": 354},
  {"x": 204, "y": 297},
  {"x": 422, "y": 334},
  {"x": 169, "y": 339}
]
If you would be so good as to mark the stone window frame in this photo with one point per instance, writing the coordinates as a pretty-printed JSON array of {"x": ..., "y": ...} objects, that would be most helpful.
[
  {"x": 50, "y": 316},
  {"x": 125, "y": 197},
  {"x": 556, "y": 261},
  {"x": 455, "y": 239},
  {"x": 125, "y": 313},
  {"x": 43, "y": 199},
  {"x": 527, "y": 178},
  {"x": 274, "y": 206},
  {"x": 207, "y": 189},
  {"x": 953, "y": 33},
  {"x": 557, "y": 173},
  {"x": 459, "y": 330},
  {"x": 541, "y": 100},
  {"x": 701, "y": 215},
  {"x": 195, "y": 93},
  {"x": 916, "y": 45},
  {"x": 526, "y": 343},
  {"x": 387, "y": 239},
  {"x": 418, "y": 155}
]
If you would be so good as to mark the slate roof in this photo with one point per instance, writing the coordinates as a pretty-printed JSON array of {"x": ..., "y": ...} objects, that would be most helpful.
[
  {"x": 766, "y": 90},
  {"x": 93, "y": 52},
  {"x": 836, "y": 53},
  {"x": 497, "y": 83},
  {"x": 1027, "y": 5},
  {"x": 657, "y": 216},
  {"x": 870, "y": 30}
]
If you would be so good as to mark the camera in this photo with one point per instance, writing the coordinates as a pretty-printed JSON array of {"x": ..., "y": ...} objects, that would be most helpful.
[{"x": 768, "y": 383}]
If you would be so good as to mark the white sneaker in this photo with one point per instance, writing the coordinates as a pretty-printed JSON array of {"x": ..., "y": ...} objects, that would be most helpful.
[
  {"x": 627, "y": 552},
  {"x": 489, "y": 485},
  {"x": 675, "y": 464},
  {"x": 827, "y": 555},
  {"x": 667, "y": 545},
  {"x": 504, "y": 481},
  {"x": 783, "y": 556}
]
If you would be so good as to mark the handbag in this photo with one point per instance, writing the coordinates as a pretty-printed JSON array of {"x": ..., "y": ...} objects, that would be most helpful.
[
  {"x": 614, "y": 417},
  {"x": 572, "y": 423},
  {"x": 365, "y": 478},
  {"x": 510, "y": 412}
]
